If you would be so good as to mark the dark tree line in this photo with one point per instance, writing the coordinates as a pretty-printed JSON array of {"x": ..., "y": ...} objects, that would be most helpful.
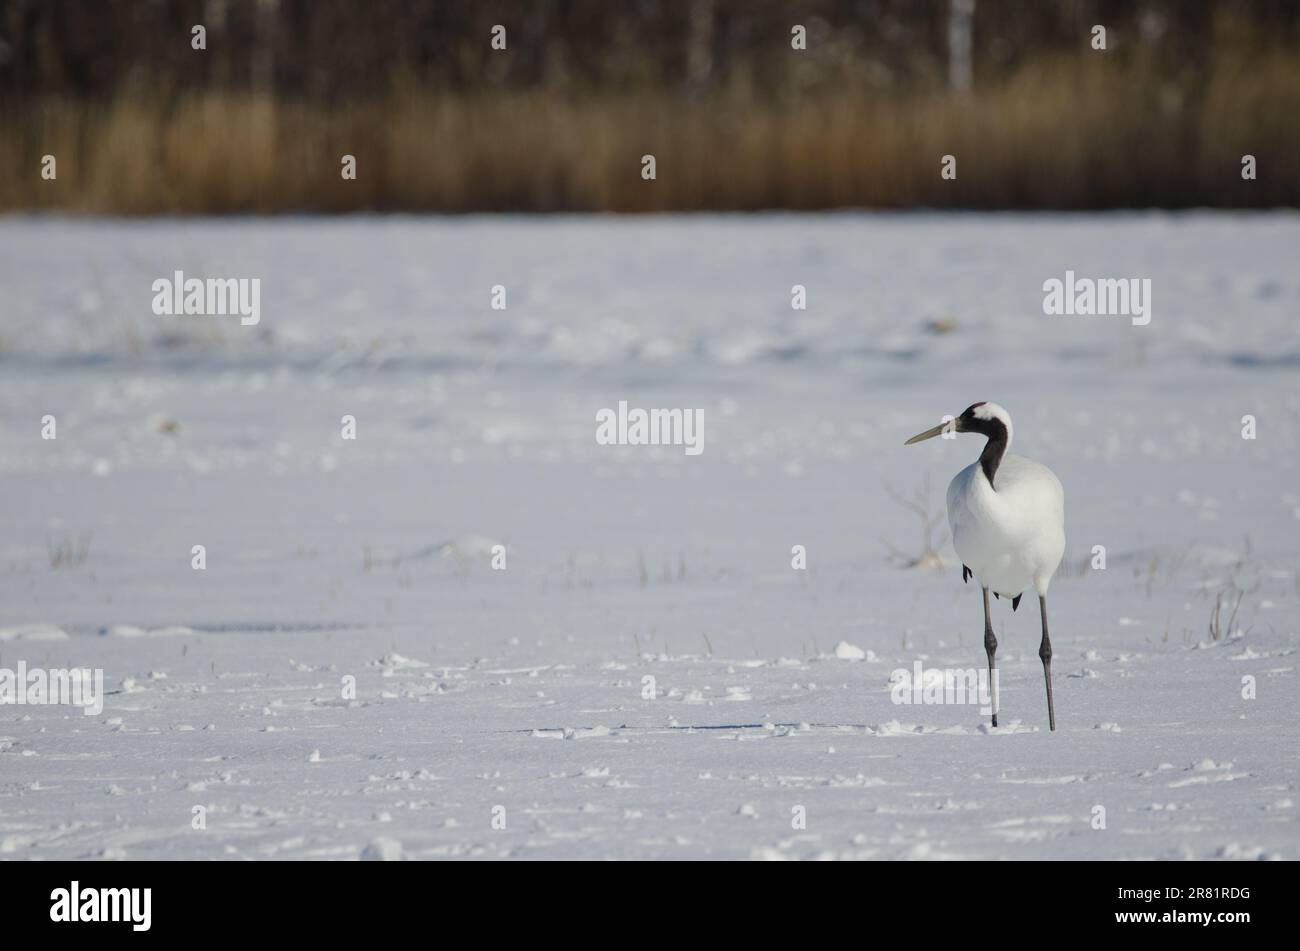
[{"x": 332, "y": 50}]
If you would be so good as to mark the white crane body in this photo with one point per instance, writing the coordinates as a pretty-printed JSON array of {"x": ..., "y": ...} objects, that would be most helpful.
[{"x": 1012, "y": 533}]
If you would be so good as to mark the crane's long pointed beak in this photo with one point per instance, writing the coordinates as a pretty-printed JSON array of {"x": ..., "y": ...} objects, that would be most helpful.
[{"x": 930, "y": 433}]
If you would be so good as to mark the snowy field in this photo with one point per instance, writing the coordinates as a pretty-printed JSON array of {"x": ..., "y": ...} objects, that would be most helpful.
[{"x": 329, "y": 559}]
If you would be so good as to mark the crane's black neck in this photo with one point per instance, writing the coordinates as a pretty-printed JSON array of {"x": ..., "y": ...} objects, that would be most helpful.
[{"x": 995, "y": 448}]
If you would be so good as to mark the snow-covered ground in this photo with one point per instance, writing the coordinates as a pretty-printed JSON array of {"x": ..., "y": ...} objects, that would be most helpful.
[{"x": 523, "y": 689}]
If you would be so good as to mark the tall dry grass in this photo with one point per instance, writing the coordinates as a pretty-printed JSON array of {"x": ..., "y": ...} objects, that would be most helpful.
[{"x": 1075, "y": 133}]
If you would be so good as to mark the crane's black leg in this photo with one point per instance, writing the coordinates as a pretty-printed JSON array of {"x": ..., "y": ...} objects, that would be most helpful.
[
  {"x": 1045, "y": 654},
  {"x": 991, "y": 648}
]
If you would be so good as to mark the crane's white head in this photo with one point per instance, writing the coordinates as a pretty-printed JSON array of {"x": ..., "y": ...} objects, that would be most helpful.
[{"x": 987, "y": 419}]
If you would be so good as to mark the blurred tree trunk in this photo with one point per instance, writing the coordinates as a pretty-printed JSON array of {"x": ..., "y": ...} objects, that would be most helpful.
[{"x": 961, "y": 16}]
